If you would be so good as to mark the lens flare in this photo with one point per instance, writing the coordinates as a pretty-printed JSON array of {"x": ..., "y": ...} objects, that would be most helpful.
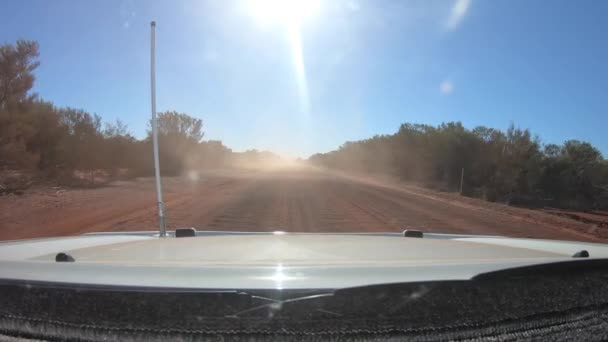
[
  {"x": 290, "y": 14},
  {"x": 297, "y": 54}
]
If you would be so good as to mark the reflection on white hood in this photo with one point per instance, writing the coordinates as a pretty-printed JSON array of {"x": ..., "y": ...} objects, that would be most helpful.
[{"x": 266, "y": 260}]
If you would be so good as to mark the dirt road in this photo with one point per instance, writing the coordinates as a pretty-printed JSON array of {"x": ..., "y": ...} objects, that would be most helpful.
[{"x": 289, "y": 200}]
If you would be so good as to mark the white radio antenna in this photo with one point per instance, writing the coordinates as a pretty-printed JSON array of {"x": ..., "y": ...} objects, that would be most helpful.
[{"x": 159, "y": 191}]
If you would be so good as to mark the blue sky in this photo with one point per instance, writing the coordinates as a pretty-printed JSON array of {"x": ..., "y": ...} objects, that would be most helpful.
[{"x": 360, "y": 67}]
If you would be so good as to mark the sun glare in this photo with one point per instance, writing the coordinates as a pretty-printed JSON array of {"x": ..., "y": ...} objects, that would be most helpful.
[{"x": 288, "y": 12}]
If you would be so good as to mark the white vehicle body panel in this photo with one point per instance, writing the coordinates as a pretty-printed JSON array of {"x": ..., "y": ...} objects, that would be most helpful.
[{"x": 232, "y": 260}]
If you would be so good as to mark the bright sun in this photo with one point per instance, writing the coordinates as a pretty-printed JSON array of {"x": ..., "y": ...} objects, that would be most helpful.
[{"x": 288, "y": 12}]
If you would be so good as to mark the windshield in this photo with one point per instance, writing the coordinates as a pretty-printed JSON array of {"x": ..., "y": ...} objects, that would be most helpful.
[{"x": 462, "y": 117}]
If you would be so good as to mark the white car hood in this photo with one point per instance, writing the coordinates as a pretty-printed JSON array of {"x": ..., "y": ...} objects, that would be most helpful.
[{"x": 221, "y": 260}]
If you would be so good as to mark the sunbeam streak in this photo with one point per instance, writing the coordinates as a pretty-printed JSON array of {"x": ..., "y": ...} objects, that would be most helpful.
[
  {"x": 290, "y": 14},
  {"x": 300, "y": 69}
]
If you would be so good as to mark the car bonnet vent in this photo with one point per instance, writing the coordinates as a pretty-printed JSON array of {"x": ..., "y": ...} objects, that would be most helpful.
[{"x": 185, "y": 232}]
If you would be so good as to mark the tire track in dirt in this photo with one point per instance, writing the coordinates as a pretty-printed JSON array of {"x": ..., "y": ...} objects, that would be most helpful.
[
  {"x": 314, "y": 202},
  {"x": 318, "y": 202},
  {"x": 130, "y": 206},
  {"x": 441, "y": 216},
  {"x": 472, "y": 208},
  {"x": 289, "y": 200}
]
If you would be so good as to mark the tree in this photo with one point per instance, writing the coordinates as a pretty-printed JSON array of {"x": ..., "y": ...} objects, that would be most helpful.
[
  {"x": 179, "y": 125},
  {"x": 574, "y": 175},
  {"x": 83, "y": 146},
  {"x": 56, "y": 142},
  {"x": 501, "y": 166},
  {"x": 116, "y": 129},
  {"x": 119, "y": 150},
  {"x": 17, "y": 64},
  {"x": 179, "y": 136},
  {"x": 213, "y": 153},
  {"x": 48, "y": 132}
]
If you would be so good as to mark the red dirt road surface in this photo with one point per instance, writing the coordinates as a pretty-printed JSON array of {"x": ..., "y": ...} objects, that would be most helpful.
[{"x": 288, "y": 200}]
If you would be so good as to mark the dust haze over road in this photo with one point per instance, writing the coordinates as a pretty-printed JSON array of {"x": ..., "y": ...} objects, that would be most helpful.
[{"x": 288, "y": 199}]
